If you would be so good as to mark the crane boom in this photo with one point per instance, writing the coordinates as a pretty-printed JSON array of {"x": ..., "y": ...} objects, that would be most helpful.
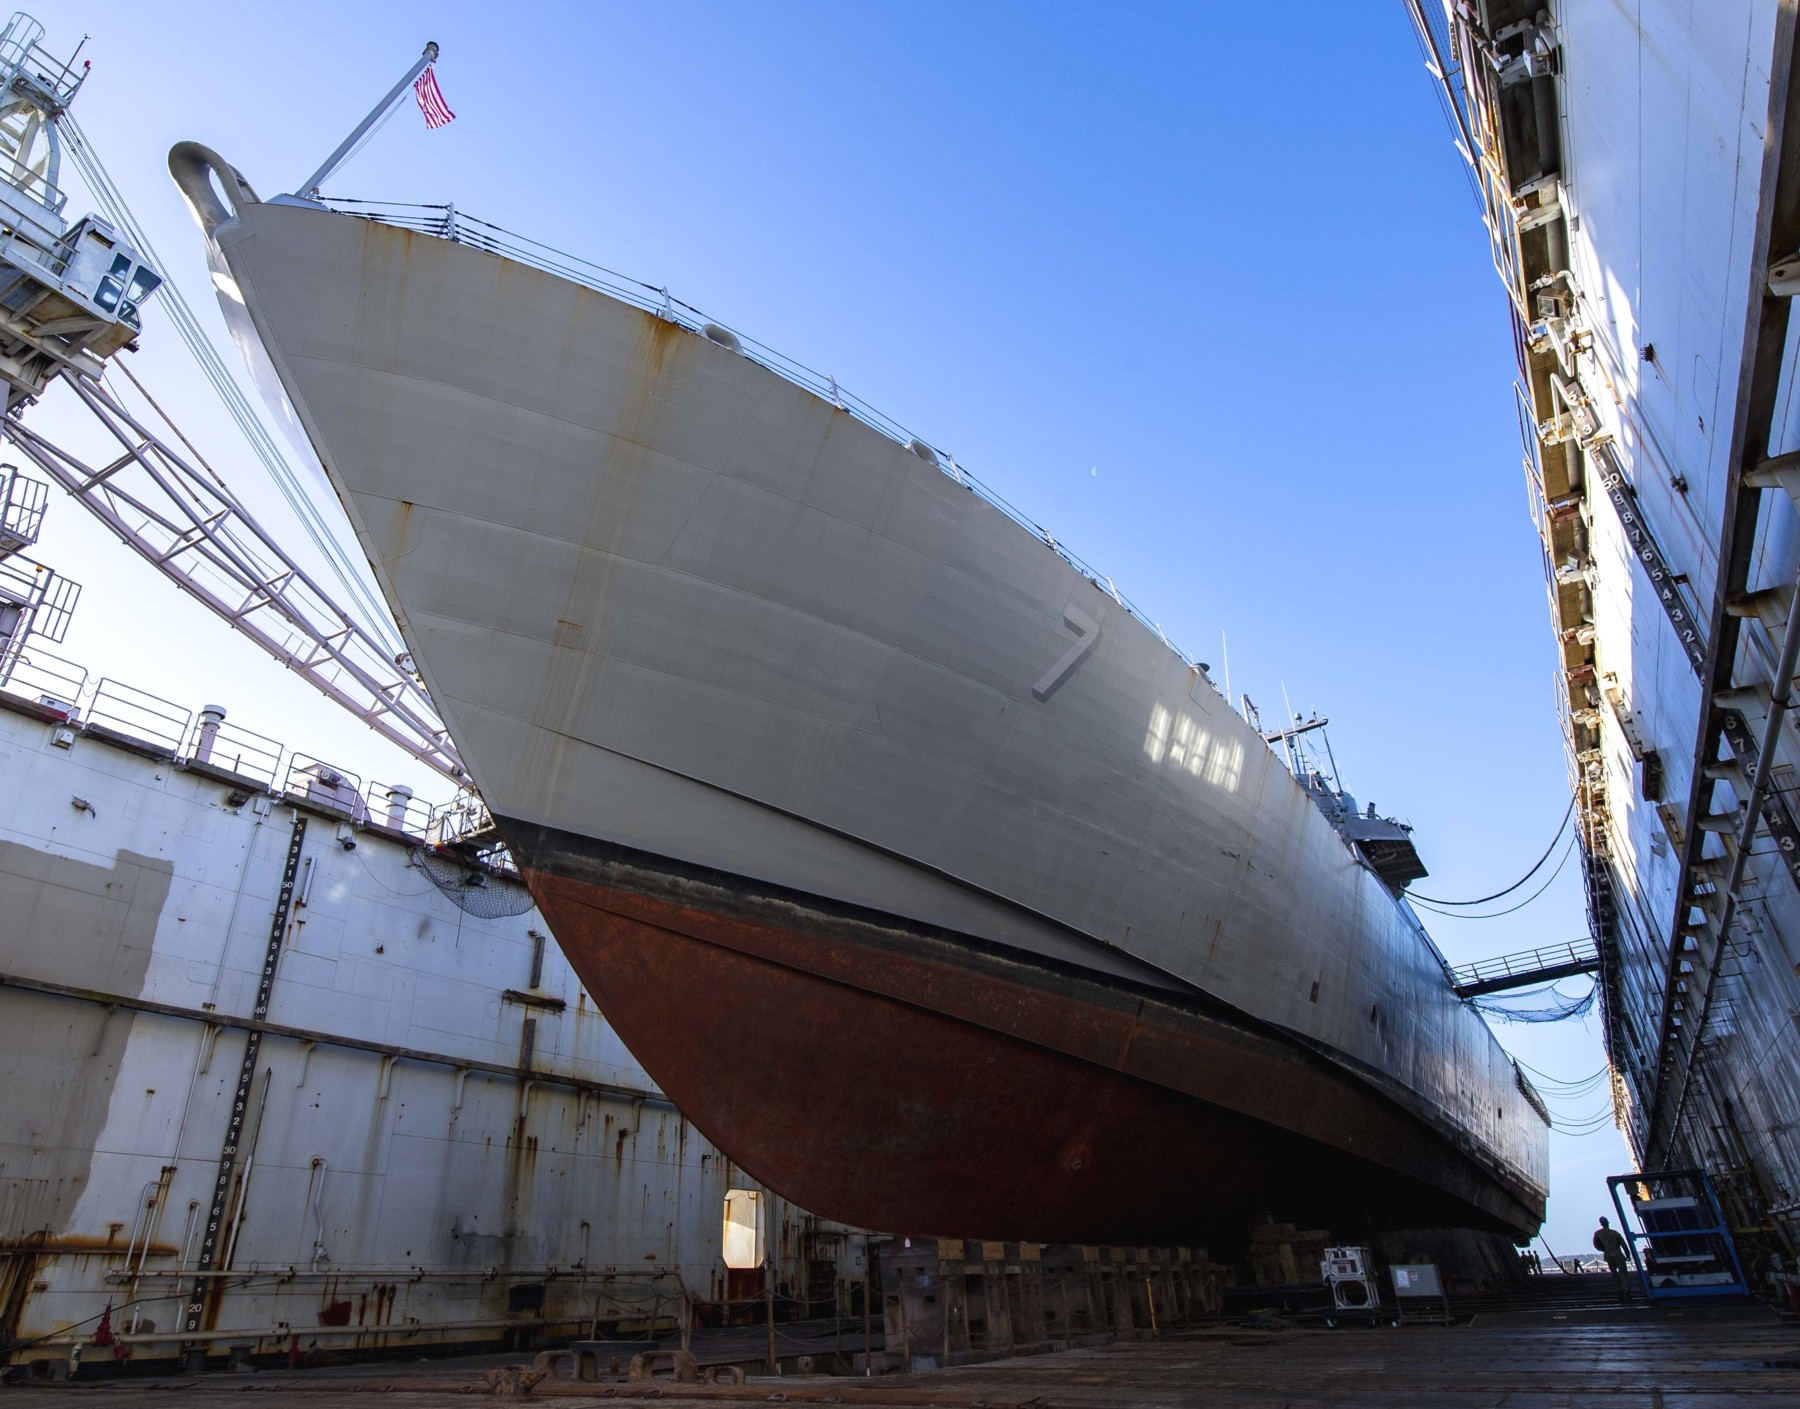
[
  {"x": 70, "y": 301},
  {"x": 191, "y": 528}
]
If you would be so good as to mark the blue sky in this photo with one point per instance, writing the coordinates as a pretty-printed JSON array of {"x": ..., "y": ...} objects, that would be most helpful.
[{"x": 1194, "y": 287}]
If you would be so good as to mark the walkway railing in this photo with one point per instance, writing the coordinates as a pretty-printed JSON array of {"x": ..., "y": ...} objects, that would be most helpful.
[
  {"x": 123, "y": 713},
  {"x": 1530, "y": 966}
]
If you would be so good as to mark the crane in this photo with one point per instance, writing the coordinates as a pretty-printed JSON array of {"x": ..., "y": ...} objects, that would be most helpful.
[{"x": 71, "y": 301}]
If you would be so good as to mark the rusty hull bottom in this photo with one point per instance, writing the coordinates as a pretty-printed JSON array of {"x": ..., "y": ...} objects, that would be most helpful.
[{"x": 896, "y": 1076}]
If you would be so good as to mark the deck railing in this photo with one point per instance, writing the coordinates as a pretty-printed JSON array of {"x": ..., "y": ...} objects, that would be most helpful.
[
  {"x": 448, "y": 223},
  {"x": 123, "y": 713}
]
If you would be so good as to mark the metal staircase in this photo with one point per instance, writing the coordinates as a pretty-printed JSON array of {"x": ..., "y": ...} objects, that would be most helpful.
[
  {"x": 22, "y": 503},
  {"x": 35, "y": 601}
]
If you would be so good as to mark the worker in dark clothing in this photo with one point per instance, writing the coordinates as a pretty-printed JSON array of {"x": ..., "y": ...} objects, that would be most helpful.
[{"x": 1611, "y": 1244}]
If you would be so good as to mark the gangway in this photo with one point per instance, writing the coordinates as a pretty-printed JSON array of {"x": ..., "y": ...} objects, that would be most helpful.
[{"x": 1526, "y": 968}]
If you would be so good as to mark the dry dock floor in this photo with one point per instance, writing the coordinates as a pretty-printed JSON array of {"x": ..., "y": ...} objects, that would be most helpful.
[{"x": 1668, "y": 1364}]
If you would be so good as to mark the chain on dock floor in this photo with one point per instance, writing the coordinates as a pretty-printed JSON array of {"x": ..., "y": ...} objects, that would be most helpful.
[{"x": 1672, "y": 1364}]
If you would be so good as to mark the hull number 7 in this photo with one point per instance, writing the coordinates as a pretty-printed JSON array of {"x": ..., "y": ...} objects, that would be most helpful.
[{"x": 1087, "y": 636}]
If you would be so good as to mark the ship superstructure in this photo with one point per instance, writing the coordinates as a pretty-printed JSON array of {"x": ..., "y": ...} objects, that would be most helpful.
[
  {"x": 921, "y": 872},
  {"x": 1637, "y": 172}
]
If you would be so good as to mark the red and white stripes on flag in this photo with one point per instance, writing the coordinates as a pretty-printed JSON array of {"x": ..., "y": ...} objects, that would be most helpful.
[{"x": 431, "y": 100}]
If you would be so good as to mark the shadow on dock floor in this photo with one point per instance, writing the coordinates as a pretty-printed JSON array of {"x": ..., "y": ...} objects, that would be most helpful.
[{"x": 1649, "y": 1361}]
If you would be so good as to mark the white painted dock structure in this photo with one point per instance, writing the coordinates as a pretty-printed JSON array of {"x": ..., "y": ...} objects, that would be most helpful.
[
  {"x": 442, "y": 1140},
  {"x": 1636, "y": 169}
]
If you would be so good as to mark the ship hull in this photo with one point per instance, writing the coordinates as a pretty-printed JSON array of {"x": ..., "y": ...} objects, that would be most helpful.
[
  {"x": 673, "y": 606},
  {"x": 909, "y": 1077}
]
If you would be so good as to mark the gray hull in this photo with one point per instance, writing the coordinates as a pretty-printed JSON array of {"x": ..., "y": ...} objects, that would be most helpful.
[{"x": 672, "y": 603}]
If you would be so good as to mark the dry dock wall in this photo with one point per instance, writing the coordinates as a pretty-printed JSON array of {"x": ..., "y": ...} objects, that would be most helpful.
[
  {"x": 443, "y": 1142},
  {"x": 1639, "y": 176}
]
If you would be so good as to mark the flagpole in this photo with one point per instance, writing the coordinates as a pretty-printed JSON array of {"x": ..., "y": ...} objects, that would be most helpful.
[{"x": 310, "y": 187}]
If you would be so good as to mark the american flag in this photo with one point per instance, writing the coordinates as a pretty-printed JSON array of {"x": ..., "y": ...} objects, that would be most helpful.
[{"x": 431, "y": 100}]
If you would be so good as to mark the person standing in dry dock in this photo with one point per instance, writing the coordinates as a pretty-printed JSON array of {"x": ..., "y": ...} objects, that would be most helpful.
[{"x": 1610, "y": 1244}]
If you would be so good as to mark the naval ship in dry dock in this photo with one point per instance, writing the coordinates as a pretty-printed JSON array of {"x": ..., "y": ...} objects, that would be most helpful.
[{"x": 924, "y": 876}]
